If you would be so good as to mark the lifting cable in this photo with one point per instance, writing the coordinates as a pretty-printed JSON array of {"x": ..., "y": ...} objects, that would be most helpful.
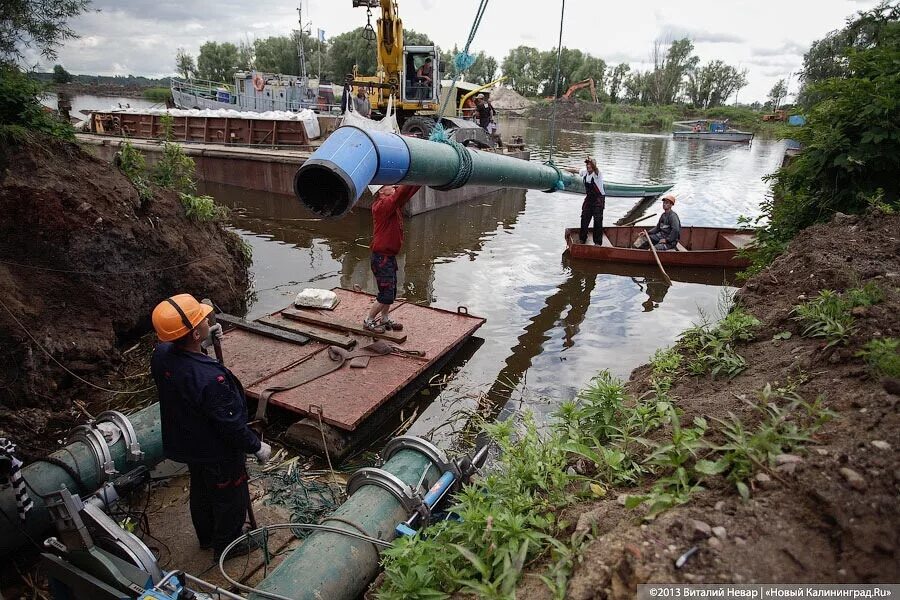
[
  {"x": 462, "y": 61},
  {"x": 559, "y": 183}
]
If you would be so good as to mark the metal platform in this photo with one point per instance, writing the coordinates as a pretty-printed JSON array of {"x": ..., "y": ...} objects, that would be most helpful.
[{"x": 347, "y": 396}]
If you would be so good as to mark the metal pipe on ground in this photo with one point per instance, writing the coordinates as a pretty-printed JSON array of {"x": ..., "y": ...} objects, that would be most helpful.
[
  {"x": 333, "y": 179},
  {"x": 335, "y": 566},
  {"x": 45, "y": 477}
]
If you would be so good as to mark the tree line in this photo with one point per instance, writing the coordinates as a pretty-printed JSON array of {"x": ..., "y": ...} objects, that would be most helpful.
[{"x": 676, "y": 73}]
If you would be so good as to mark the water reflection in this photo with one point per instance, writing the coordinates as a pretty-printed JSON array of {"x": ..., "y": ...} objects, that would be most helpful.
[{"x": 552, "y": 323}]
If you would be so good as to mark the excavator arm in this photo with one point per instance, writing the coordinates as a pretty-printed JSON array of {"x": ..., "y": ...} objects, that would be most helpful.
[{"x": 589, "y": 82}]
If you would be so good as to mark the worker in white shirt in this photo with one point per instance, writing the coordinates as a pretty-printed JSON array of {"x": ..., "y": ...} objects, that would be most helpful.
[{"x": 594, "y": 201}]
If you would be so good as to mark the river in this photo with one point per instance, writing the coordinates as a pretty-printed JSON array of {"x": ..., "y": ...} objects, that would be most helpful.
[
  {"x": 552, "y": 323},
  {"x": 89, "y": 102}
]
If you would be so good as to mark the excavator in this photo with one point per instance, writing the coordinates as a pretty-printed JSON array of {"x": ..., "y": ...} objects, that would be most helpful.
[
  {"x": 589, "y": 83},
  {"x": 402, "y": 72}
]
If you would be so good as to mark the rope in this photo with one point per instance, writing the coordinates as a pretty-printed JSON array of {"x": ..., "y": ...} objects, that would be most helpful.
[
  {"x": 556, "y": 85},
  {"x": 23, "y": 501},
  {"x": 465, "y": 167},
  {"x": 62, "y": 366},
  {"x": 463, "y": 60}
]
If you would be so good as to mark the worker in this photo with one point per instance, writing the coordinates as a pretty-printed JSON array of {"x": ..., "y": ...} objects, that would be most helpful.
[
  {"x": 594, "y": 201},
  {"x": 203, "y": 415},
  {"x": 425, "y": 74},
  {"x": 361, "y": 103},
  {"x": 387, "y": 239},
  {"x": 667, "y": 232},
  {"x": 485, "y": 111},
  {"x": 469, "y": 108},
  {"x": 347, "y": 94}
]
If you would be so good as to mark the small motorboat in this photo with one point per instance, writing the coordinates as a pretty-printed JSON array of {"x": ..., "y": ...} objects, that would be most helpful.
[
  {"x": 698, "y": 247},
  {"x": 715, "y": 131}
]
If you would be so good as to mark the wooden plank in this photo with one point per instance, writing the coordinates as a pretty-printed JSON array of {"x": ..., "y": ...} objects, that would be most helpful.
[
  {"x": 263, "y": 330},
  {"x": 317, "y": 334},
  {"x": 328, "y": 321}
]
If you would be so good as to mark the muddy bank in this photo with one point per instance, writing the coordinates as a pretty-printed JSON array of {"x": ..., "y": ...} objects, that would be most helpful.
[
  {"x": 826, "y": 513},
  {"x": 82, "y": 263}
]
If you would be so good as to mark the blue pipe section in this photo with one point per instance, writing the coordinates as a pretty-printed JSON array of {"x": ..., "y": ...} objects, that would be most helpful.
[
  {"x": 433, "y": 496},
  {"x": 336, "y": 175}
]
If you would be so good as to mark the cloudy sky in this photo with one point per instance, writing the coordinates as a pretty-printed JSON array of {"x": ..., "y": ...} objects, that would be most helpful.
[{"x": 768, "y": 38}]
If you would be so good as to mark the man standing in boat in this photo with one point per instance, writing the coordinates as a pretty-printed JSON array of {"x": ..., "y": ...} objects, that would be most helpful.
[
  {"x": 387, "y": 239},
  {"x": 667, "y": 232},
  {"x": 594, "y": 201},
  {"x": 203, "y": 416}
]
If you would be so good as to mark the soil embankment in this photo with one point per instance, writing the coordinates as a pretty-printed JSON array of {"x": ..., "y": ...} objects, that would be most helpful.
[
  {"x": 825, "y": 513},
  {"x": 83, "y": 261}
]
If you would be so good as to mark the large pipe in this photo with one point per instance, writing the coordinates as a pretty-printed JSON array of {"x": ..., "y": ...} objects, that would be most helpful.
[
  {"x": 339, "y": 567},
  {"x": 332, "y": 180},
  {"x": 44, "y": 477}
]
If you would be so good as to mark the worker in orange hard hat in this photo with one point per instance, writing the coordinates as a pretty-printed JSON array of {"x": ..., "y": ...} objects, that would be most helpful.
[
  {"x": 667, "y": 232},
  {"x": 203, "y": 412}
]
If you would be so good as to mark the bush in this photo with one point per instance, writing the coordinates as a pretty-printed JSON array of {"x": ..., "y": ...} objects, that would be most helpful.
[
  {"x": 157, "y": 94},
  {"x": 882, "y": 356},
  {"x": 851, "y": 143},
  {"x": 202, "y": 208},
  {"x": 21, "y": 110}
]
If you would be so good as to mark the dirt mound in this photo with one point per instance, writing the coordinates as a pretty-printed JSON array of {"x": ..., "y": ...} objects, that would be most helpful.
[
  {"x": 833, "y": 515},
  {"x": 567, "y": 110},
  {"x": 509, "y": 100},
  {"x": 82, "y": 264}
]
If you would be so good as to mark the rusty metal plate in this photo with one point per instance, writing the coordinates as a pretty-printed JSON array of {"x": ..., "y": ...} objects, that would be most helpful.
[
  {"x": 347, "y": 396},
  {"x": 252, "y": 357}
]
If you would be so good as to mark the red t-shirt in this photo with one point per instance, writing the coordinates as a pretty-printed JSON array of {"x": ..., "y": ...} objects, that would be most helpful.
[{"x": 387, "y": 219}]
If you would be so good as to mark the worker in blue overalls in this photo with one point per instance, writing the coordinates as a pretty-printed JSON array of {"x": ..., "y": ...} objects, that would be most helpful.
[{"x": 203, "y": 413}]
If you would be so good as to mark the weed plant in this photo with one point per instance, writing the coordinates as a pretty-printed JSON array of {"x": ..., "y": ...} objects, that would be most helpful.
[
  {"x": 882, "y": 356},
  {"x": 202, "y": 208},
  {"x": 131, "y": 162},
  {"x": 828, "y": 314},
  {"x": 711, "y": 349}
]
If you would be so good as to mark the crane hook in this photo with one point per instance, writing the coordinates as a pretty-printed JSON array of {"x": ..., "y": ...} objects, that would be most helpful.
[{"x": 369, "y": 31}]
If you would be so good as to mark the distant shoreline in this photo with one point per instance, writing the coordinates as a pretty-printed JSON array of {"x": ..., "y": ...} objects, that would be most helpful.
[{"x": 110, "y": 90}]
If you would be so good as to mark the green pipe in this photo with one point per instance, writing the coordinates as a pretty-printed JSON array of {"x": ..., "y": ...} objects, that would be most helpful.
[
  {"x": 333, "y": 179},
  {"x": 335, "y": 566},
  {"x": 43, "y": 478}
]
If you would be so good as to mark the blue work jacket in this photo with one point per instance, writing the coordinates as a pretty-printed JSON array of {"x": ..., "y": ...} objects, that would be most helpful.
[{"x": 202, "y": 408}]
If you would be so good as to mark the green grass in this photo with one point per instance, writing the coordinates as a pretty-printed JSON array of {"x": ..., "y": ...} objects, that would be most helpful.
[
  {"x": 828, "y": 315},
  {"x": 157, "y": 94},
  {"x": 711, "y": 349},
  {"x": 202, "y": 208},
  {"x": 883, "y": 357}
]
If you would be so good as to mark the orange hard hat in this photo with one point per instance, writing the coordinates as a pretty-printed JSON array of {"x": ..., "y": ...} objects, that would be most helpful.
[
  {"x": 175, "y": 317},
  {"x": 669, "y": 198}
]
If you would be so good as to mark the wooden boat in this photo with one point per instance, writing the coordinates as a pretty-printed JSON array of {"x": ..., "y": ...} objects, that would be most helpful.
[{"x": 698, "y": 247}]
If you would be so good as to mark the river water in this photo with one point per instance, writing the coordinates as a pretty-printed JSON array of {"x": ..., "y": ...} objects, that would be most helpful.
[{"x": 552, "y": 323}]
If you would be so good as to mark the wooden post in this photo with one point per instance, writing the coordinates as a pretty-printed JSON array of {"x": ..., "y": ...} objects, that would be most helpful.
[{"x": 656, "y": 256}]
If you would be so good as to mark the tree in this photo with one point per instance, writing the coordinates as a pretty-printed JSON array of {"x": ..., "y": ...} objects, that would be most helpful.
[
  {"x": 40, "y": 24},
  {"x": 217, "y": 62},
  {"x": 851, "y": 142},
  {"x": 670, "y": 65},
  {"x": 712, "y": 84},
  {"x": 522, "y": 67},
  {"x": 60, "y": 75},
  {"x": 184, "y": 64},
  {"x": 617, "y": 80},
  {"x": 778, "y": 92},
  {"x": 829, "y": 57},
  {"x": 351, "y": 48}
]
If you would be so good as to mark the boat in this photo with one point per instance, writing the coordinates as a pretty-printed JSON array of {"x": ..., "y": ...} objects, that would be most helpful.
[
  {"x": 698, "y": 247},
  {"x": 715, "y": 131},
  {"x": 635, "y": 190},
  {"x": 252, "y": 91}
]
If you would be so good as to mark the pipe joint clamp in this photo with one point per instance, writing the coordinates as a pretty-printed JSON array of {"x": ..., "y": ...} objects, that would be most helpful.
[
  {"x": 422, "y": 446},
  {"x": 408, "y": 498},
  {"x": 93, "y": 438},
  {"x": 132, "y": 446}
]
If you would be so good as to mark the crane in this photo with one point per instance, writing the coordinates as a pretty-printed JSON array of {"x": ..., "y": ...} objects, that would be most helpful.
[
  {"x": 589, "y": 82},
  {"x": 401, "y": 70}
]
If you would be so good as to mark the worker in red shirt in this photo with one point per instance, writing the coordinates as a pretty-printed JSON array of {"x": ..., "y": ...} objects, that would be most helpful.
[{"x": 387, "y": 239}]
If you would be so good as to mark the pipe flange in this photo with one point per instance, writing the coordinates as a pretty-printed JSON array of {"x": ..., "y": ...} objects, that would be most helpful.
[
  {"x": 407, "y": 497},
  {"x": 423, "y": 446},
  {"x": 132, "y": 445},
  {"x": 93, "y": 439}
]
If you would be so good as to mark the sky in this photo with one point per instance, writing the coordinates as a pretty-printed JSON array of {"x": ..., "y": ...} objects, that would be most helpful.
[{"x": 139, "y": 37}]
